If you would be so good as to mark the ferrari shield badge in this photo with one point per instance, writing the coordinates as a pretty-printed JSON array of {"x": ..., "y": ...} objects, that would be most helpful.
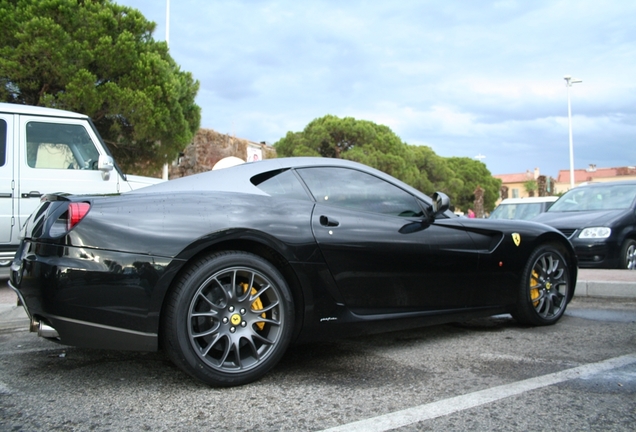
[{"x": 516, "y": 238}]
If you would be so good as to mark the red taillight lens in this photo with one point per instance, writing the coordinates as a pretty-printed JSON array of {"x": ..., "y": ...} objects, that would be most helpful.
[{"x": 76, "y": 211}]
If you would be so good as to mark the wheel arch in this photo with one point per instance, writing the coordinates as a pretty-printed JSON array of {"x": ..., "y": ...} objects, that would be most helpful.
[{"x": 254, "y": 245}]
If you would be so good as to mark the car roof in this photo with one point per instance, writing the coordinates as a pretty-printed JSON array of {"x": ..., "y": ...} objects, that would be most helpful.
[
  {"x": 238, "y": 178},
  {"x": 609, "y": 183},
  {"x": 529, "y": 200}
]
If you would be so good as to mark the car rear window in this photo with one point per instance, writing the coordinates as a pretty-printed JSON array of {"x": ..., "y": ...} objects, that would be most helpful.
[{"x": 281, "y": 183}]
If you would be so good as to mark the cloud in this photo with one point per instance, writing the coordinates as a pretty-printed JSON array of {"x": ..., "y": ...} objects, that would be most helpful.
[{"x": 466, "y": 78}]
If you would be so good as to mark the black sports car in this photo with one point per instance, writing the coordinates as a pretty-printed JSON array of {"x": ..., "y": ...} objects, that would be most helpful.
[{"x": 224, "y": 269}]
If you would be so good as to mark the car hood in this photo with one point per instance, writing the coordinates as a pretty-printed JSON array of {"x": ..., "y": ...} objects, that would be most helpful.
[
  {"x": 137, "y": 182},
  {"x": 579, "y": 219}
]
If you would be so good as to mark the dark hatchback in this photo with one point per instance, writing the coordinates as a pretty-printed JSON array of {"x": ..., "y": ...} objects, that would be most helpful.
[{"x": 600, "y": 221}]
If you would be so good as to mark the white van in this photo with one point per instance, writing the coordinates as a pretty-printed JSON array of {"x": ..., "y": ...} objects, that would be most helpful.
[
  {"x": 522, "y": 208},
  {"x": 44, "y": 150}
]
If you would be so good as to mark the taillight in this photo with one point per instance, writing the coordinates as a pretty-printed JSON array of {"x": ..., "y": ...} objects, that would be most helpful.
[{"x": 76, "y": 211}]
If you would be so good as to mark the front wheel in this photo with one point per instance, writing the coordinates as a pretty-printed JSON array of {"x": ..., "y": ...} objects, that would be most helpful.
[
  {"x": 545, "y": 287},
  {"x": 229, "y": 319},
  {"x": 628, "y": 255}
]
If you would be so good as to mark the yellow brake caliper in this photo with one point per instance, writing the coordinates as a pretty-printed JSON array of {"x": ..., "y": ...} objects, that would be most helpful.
[
  {"x": 256, "y": 304},
  {"x": 534, "y": 290}
]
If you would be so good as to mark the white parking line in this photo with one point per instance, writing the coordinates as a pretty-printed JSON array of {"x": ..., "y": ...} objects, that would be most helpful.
[{"x": 459, "y": 403}]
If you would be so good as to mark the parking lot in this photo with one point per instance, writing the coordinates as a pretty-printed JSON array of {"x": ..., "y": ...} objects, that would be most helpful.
[{"x": 487, "y": 374}]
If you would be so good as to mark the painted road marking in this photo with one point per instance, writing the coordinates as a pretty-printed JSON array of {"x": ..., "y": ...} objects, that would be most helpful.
[{"x": 459, "y": 403}]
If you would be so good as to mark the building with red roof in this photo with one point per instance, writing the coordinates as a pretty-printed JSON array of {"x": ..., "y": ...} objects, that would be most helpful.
[
  {"x": 594, "y": 174},
  {"x": 514, "y": 185}
]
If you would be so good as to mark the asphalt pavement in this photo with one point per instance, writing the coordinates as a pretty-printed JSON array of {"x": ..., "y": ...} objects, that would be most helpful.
[{"x": 591, "y": 283}]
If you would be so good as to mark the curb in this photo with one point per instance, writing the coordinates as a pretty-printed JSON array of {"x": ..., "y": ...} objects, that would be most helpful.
[{"x": 611, "y": 289}]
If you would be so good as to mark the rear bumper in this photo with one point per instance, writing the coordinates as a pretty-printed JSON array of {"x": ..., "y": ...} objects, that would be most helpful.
[
  {"x": 90, "y": 298},
  {"x": 86, "y": 334}
]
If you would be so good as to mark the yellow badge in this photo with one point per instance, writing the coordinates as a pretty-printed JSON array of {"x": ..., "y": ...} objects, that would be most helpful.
[
  {"x": 516, "y": 237},
  {"x": 235, "y": 319}
]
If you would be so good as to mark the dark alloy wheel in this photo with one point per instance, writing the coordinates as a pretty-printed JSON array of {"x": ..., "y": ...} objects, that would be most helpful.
[
  {"x": 545, "y": 287},
  {"x": 628, "y": 255},
  {"x": 229, "y": 319}
]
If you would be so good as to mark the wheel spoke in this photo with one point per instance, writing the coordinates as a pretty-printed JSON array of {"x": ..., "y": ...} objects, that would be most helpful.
[
  {"x": 252, "y": 345},
  {"x": 211, "y": 313},
  {"x": 259, "y": 292},
  {"x": 267, "y": 321},
  {"x": 210, "y": 345},
  {"x": 265, "y": 308},
  {"x": 206, "y": 333},
  {"x": 263, "y": 339},
  {"x": 229, "y": 346}
]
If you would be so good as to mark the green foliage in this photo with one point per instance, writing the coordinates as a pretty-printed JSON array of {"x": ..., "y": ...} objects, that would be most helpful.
[
  {"x": 531, "y": 187},
  {"x": 347, "y": 138},
  {"x": 470, "y": 174},
  {"x": 99, "y": 58},
  {"x": 434, "y": 172},
  {"x": 377, "y": 146}
]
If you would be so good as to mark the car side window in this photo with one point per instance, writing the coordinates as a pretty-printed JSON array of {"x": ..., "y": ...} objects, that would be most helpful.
[
  {"x": 356, "y": 190},
  {"x": 280, "y": 183},
  {"x": 60, "y": 146}
]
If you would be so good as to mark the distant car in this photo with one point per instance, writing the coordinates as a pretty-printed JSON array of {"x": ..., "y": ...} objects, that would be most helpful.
[
  {"x": 522, "y": 208},
  {"x": 224, "y": 269},
  {"x": 600, "y": 221}
]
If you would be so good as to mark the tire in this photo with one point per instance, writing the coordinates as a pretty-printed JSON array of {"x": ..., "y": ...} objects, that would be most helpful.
[
  {"x": 219, "y": 331},
  {"x": 545, "y": 287},
  {"x": 628, "y": 255}
]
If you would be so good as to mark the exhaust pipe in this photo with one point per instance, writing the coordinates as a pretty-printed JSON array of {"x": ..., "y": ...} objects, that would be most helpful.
[{"x": 43, "y": 330}]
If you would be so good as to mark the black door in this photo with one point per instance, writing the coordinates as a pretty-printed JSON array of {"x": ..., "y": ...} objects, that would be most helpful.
[{"x": 383, "y": 258}]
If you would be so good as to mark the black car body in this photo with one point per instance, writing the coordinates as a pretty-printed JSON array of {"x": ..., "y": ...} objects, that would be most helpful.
[
  {"x": 224, "y": 269},
  {"x": 600, "y": 221}
]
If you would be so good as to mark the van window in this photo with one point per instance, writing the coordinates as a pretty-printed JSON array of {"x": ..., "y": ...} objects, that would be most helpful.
[
  {"x": 60, "y": 146},
  {"x": 3, "y": 142}
]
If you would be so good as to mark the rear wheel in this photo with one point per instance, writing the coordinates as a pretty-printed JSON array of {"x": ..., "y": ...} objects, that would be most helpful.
[
  {"x": 545, "y": 287},
  {"x": 229, "y": 319},
  {"x": 628, "y": 255}
]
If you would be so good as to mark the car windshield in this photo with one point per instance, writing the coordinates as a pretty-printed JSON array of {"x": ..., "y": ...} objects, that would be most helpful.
[{"x": 601, "y": 197}]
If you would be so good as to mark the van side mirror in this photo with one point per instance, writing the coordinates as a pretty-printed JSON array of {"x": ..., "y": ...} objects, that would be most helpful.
[{"x": 105, "y": 164}]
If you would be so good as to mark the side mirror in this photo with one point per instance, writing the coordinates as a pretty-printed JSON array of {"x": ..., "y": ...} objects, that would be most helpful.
[
  {"x": 105, "y": 164},
  {"x": 441, "y": 203}
]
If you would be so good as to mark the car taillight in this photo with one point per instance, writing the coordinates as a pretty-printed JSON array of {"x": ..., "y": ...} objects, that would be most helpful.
[{"x": 76, "y": 211}]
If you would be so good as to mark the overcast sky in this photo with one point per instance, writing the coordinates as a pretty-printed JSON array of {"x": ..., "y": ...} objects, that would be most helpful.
[{"x": 467, "y": 78}]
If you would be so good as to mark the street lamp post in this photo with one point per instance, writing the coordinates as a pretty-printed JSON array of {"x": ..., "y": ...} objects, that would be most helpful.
[
  {"x": 568, "y": 83},
  {"x": 165, "y": 173}
]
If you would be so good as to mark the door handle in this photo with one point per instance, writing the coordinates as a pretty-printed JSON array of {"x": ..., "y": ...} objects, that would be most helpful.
[
  {"x": 325, "y": 221},
  {"x": 32, "y": 194}
]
